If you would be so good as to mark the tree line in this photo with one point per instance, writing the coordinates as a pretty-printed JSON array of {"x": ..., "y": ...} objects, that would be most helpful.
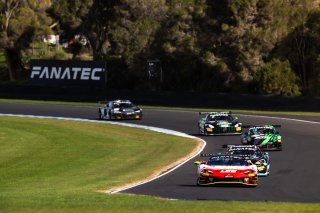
[{"x": 238, "y": 46}]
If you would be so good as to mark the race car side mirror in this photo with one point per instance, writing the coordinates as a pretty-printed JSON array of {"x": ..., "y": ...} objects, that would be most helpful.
[{"x": 199, "y": 162}]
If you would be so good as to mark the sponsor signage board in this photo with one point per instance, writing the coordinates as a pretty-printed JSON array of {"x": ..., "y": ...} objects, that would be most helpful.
[{"x": 67, "y": 73}]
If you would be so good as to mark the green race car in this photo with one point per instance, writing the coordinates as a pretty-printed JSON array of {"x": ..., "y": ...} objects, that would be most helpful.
[
  {"x": 218, "y": 123},
  {"x": 266, "y": 137}
]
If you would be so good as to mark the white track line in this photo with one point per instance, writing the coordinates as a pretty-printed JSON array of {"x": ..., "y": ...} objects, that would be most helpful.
[{"x": 279, "y": 118}]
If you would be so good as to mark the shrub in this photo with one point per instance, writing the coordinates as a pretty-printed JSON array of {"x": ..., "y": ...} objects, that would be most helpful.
[{"x": 276, "y": 77}]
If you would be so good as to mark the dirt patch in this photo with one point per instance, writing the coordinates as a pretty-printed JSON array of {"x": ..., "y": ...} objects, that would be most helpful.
[{"x": 197, "y": 148}]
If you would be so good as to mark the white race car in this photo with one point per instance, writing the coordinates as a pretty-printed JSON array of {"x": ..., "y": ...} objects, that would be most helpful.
[{"x": 120, "y": 109}]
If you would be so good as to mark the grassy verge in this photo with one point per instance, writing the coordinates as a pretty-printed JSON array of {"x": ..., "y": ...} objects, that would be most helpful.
[
  {"x": 169, "y": 108},
  {"x": 57, "y": 166},
  {"x": 47, "y": 163}
]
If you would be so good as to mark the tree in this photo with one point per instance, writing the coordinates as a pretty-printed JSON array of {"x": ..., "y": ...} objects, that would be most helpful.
[
  {"x": 22, "y": 21},
  {"x": 69, "y": 16},
  {"x": 276, "y": 77},
  {"x": 301, "y": 48}
]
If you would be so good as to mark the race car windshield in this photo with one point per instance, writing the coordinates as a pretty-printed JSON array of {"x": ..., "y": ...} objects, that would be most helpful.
[
  {"x": 261, "y": 131},
  {"x": 256, "y": 131},
  {"x": 227, "y": 162},
  {"x": 220, "y": 118},
  {"x": 123, "y": 105},
  {"x": 266, "y": 131},
  {"x": 242, "y": 152}
]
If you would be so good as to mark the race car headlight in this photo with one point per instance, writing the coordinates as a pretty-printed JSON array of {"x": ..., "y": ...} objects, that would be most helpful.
[
  {"x": 210, "y": 126},
  {"x": 207, "y": 171},
  {"x": 263, "y": 162}
]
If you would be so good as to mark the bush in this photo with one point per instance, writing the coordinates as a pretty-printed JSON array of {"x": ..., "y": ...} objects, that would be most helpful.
[{"x": 276, "y": 77}]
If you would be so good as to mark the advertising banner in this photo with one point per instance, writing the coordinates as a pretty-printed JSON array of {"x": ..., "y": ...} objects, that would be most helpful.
[{"x": 58, "y": 73}]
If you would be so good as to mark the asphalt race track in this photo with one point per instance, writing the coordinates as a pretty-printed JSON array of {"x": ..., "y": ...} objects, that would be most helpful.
[{"x": 295, "y": 171}]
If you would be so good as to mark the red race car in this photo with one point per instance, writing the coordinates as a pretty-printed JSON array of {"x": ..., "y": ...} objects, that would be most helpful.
[{"x": 226, "y": 169}]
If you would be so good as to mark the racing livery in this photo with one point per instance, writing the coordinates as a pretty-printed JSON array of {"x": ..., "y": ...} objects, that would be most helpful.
[
  {"x": 264, "y": 136},
  {"x": 226, "y": 169},
  {"x": 217, "y": 123},
  {"x": 253, "y": 153},
  {"x": 120, "y": 109}
]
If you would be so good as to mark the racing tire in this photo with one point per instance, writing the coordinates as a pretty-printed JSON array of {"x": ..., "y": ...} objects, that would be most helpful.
[
  {"x": 198, "y": 182},
  {"x": 110, "y": 116},
  {"x": 100, "y": 115},
  {"x": 200, "y": 133},
  {"x": 204, "y": 132}
]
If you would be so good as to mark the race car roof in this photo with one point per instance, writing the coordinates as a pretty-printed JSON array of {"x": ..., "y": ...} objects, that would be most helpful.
[
  {"x": 267, "y": 126},
  {"x": 242, "y": 147},
  {"x": 226, "y": 157},
  {"x": 121, "y": 101},
  {"x": 215, "y": 113}
]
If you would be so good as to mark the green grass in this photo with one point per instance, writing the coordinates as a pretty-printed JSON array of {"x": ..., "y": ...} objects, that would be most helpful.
[
  {"x": 59, "y": 163},
  {"x": 168, "y": 108},
  {"x": 58, "y": 166}
]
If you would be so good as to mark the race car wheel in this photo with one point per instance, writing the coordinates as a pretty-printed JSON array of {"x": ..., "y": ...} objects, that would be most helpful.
[
  {"x": 198, "y": 182},
  {"x": 100, "y": 115},
  {"x": 109, "y": 115},
  {"x": 200, "y": 133},
  {"x": 204, "y": 132},
  {"x": 279, "y": 147}
]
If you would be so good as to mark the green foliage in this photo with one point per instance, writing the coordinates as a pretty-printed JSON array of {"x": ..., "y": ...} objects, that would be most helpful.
[
  {"x": 42, "y": 50},
  {"x": 215, "y": 46},
  {"x": 276, "y": 77},
  {"x": 3, "y": 72},
  {"x": 301, "y": 48}
]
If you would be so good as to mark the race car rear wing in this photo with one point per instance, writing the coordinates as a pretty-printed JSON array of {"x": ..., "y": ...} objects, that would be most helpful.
[
  {"x": 213, "y": 113},
  {"x": 207, "y": 155},
  {"x": 204, "y": 114},
  {"x": 251, "y": 125},
  {"x": 238, "y": 146}
]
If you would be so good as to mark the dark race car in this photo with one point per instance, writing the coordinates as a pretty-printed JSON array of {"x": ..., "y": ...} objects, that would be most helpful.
[
  {"x": 120, "y": 109},
  {"x": 218, "y": 123},
  {"x": 226, "y": 169},
  {"x": 253, "y": 153},
  {"x": 264, "y": 136}
]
